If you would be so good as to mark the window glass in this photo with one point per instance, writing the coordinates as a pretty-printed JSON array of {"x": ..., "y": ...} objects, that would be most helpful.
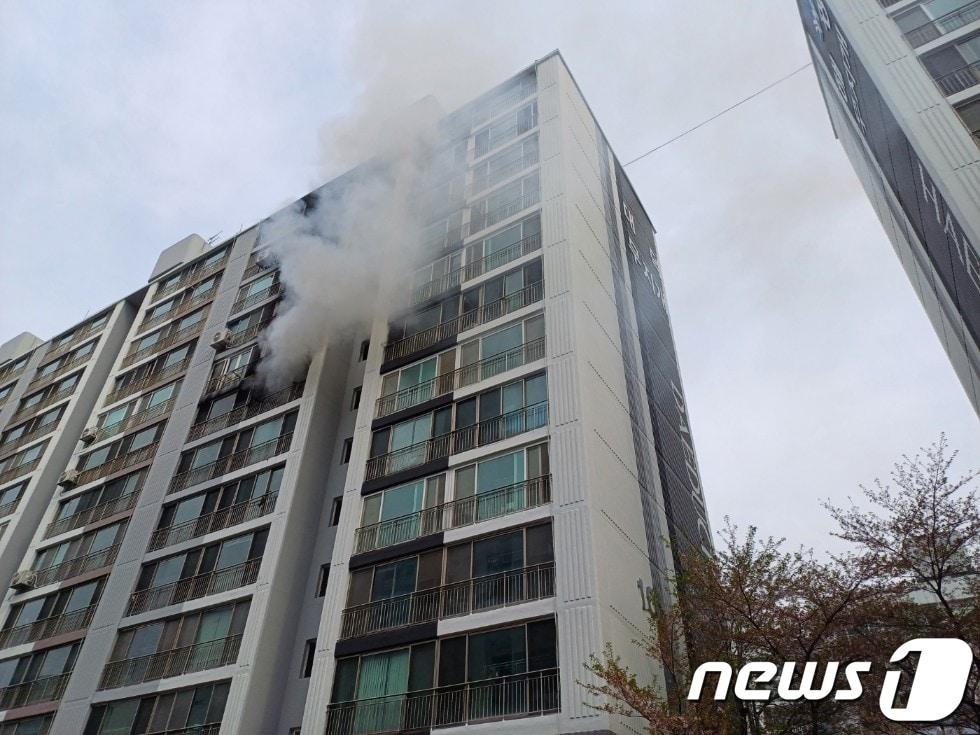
[
  {"x": 206, "y": 455},
  {"x": 188, "y": 509},
  {"x": 143, "y": 438},
  {"x": 82, "y": 596},
  {"x": 394, "y": 579},
  {"x": 214, "y": 625},
  {"x": 104, "y": 538},
  {"x": 500, "y": 472},
  {"x": 382, "y": 675},
  {"x": 161, "y": 395},
  {"x": 403, "y": 500},
  {"x": 114, "y": 416},
  {"x": 498, "y": 554},
  {"x": 234, "y": 552},
  {"x": 267, "y": 432},
  {"x": 118, "y": 718},
  {"x": 145, "y": 640},
  {"x": 496, "y": 653},
  {"x": 168, "y": 571}
]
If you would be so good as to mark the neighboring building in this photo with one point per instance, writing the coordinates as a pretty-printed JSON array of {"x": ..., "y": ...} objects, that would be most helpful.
[
  {"x": 436, "y": 528},
  {"x": 902, "y": 83}
]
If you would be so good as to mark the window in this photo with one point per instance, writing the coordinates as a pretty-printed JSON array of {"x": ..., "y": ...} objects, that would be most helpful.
[
  {"x": 346, "y": 449},
  {"x": 970, "y": 115},
  {"x": 335, "y": 511},
  {"x": 186, "y": 710},
  {"x": 504, "y": 202},
  {"x": 505, "y": 345},
  {"x": 931, "y": 19},
  {"x": 10, "y": 496},
  {"x": 950, "y": 64},
  {"x": 355, "y": 399},
  {"x": 506, "y": 128},
  {"x": 6, "y": 391},
  {"x": 309, "y": 655},
  {"x": 322, "y": 580},
  {"x": 365, "y": 349}
]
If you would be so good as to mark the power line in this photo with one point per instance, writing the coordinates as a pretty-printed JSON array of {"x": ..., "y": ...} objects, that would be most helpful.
[{"x": 723, "y": 112}]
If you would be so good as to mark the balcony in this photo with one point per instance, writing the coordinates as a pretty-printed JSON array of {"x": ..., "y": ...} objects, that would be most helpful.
[
  {"x": 74, "y": 567},
  {"x": 256, "y": 266},
  {"x": 219, "y": 520},
  {"x": 477, "y": 268},
  {"x": 265, "y": 293},
  {"x": 961, "y": 79},
  {"x": 469, "y": 437},
  {"x": 24, "y": 439},
  {"x": 47, "y": 627},
  {"x": 19, "y": 471},
  {"x": 48, "y": 689},
  {"x": 169, "y": 341},
  {"x": 505, "y": 136},
  {"x": 140, "y": 417},
  {"x": 481, "y": 221},
  {"x": 77, "y": 338},
  {"x": 482, "y": 182},
  {"x": 454, "y": 514},
  {"x": 147, "y": 381},
  {"x": 194, "y": 588},
  {"x": 502, "y": 698},
  {"x": 462, "y": 598},
  {"x": 460, "y": 378},
  {"x": 40, "y": 381},
  {"x": 481, "y": 315},
  {"x": 9, "y": 508},
  {"x": 29, "y": 411},
  {"x": 212, "y": 728},
  {"x": 184, "y": 307},
  {"x": 232, "y": 462},
  {"x": 225, "y": 381},
  {"x": 186, "y": 660},
  {"x": 191, "y": 276},
  {"x": 944, "y": 24},
  {"x": 93, "y": 514},
  {"x": 246, "y": 335},
  {"x": 243, "y": 413},
  {"x": 115, "y": 465}
]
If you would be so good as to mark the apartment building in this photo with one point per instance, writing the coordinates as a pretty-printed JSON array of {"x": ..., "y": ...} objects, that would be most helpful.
[
  {"x": 464, "y": 497},
  {"x": 901, "y": 80}
]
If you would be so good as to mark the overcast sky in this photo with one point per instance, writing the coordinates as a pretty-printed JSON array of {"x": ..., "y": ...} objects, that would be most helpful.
[{"x": 808, "y": 363}]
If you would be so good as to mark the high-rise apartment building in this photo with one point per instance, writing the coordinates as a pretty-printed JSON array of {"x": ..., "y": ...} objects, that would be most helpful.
[
  {"x": 901, "y": 80},
  {"x": 462, "y": 500}
]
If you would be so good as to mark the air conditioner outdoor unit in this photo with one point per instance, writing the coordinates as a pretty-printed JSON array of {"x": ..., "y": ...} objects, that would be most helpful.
[
  {"x": 89, "y": 434},
  {"x": 24, "y": 580},
  {"x": 69, "y": 478},
  {"x": 220, "y": 338}
]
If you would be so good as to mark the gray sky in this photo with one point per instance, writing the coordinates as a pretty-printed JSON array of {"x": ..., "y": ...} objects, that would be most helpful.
[{"x": 808, "y": 363}]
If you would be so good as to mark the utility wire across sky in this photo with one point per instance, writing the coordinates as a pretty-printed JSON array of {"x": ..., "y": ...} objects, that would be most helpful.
[{"x": 716, "y": 116}]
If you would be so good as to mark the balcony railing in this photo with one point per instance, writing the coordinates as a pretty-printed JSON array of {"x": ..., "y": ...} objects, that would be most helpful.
[
  {"x": 454, "y": 514},
  {"x": 501, "y": 698},
  {"x": 198, "y": 657},
  {"x": 46, "y": 627},
  {"x": 459, "y": 378},
  {"x": 256, "y": 266},
  {"x": 48, "y": 689},
  {"x": 247, "y": 301},
  {"x": 477, "y": 268},
  {"x": 494, "y": 108},
  {"x": 504, "y": 136},
  {"x": 184, "y": 307},
  {"x": 483, "y": 181},
  {"x": 474, "y": 318},
  {"x": 140, "y": 417},
  {"x": 121, "y": 462},
  {"x": 77, "y": 337},
  {"x": 462, "y": 598},
  {"x": 40, "y": 381},
  {"x": 961, "y": 79},
  {"x": 460, "y": 440},
  {"x": 944, "y": 24},
  {"x": 190, "y": 276},
  {"x": 147, "y": 381},
  {"x": 9, "y": 508},
  {"x": 243, "y": 413},
  {"x": 24, "y": 439},
  {"x": 93, "y": 514},
  {"x": 79, "y": 565},
  {"x": 218, "y": 520},
  {"x": 212, "y": 728},
  {"x": 169, "y": 341},
  {"x": 246, "y": 335},
  {"x": 29, "y": 411},
  {"x": 482, "y": 220},
  {"x": 224, "y": 381},
  {"x": 194, "y": 588},
  {"x": 19, "y": 471},
  {"x": 232, "y": 462}
]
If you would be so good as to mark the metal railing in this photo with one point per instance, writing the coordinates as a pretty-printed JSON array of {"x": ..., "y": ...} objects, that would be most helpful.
[
  {"x": 469, "y": 437},
  {"x": 447, "y": 240},
  {"x": 459, "y": 378},
  {"x": 76, "y": 338},
  {"x": 488, "y": 263},
  {"x": 11, "y": 446},
  {"x": 218, "y": 520},
  {"x": 48, "y": 689},
  {"x": 256, "y": 266},
  {"x": 247, "y": 301},
  {"x": 46, "y": 627},
  {"x": 486, "y": 180},
  {"x": 121, "y": 462},
  {"x": 483, "y": 220},
  {"x": 147, "y": 381},
  {"x": 212, "y": 728},
  {"x": 942, "y": 25},
  {"x": 190, "y": 276},
  {"x": 224, "y": 381},
  {"x": 194, "y": 588},
  {"x": 93, "y": 514},
  {"x": 501, "y": 698},
  {"x": 505, "y": 135},
  {"x": 184, "y": 307},
  {"x": 140, "y": 417},
  {"x": 29, "y": 411},
  {"x": 453, "y": 600},
  {"x": 9, "y": 508},
  {"x": 243, "y": 413},
  {"x": 454, "y": 514},
  {"x": 40, "y": 381},
  {"x": 186, "y": 660},
  {"x": 79, "y": 565},
  {"x": 494, "y": 108},
  {"x": 473, "y": 318},
  {"x": 236, "y": 339},
  {"x": 19, "y": 471},
  {"x": 169, "y": 341},
  {"x": 963, "y": 78},
  {"x": 232, "y": 462}
]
